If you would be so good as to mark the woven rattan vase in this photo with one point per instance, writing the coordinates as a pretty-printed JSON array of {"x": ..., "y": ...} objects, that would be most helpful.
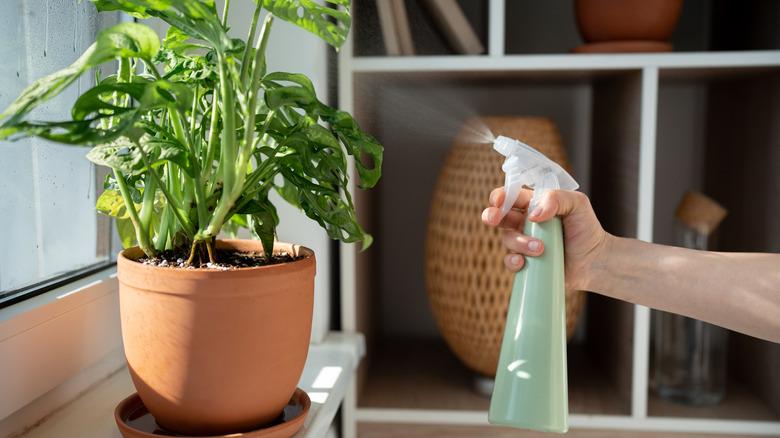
[{"x": 468, "y": 285}]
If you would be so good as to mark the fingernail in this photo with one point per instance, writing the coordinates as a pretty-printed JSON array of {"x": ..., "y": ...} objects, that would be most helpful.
[
  {"x": 486, "y": 215},
  {"x": 534, "y": 245},
  {"x": 537, "y": 212},
  {"x": 515, "y": 260}
]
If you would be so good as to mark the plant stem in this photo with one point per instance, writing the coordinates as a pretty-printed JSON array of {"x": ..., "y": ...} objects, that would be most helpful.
[
  {"x": 258, "y": 69},
  {"x": 193, "y": 119},
  {"x": 249, "y": 41},
  {"x": 228, "y": 152},
  {"x": 162, "y": 231},
  {"x": 249, "y": 194},
  {"x": 147, "y": 206},
  {"x": 225, "y": 13},
  {"x": 140, "y": 233},
  {"x": 150, "y": 67},
  {"x": 229, "y": 123},
  {"x": 208, "y": 163},
  {"x": 192, "y": 252},
  {"x": 183, "y": 219},
  {"x": 212, "y": 259},
  {"x": 200, "y": 197}
]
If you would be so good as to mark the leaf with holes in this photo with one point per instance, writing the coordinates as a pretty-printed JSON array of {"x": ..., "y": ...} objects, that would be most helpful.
[{"x": 329, "y": 23}]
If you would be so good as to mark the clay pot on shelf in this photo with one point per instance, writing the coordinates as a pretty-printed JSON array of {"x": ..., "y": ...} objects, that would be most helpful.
[
  {"x": 213, "y": 352},
  {"x": 610, "y": 26},
  {"x": 468, "y": 285}
]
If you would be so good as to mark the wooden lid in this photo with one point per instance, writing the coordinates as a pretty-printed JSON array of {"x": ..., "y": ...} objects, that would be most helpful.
[{"x": 700, "y": 212}]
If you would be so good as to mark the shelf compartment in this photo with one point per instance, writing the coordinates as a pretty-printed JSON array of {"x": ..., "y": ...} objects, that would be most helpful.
[
  {"x": 739, "y": 403},
  {"x": 416, "y": 119},
  {"x": 710, "y": 136},
  {"x": 704, "y": 25},
  {"x": 424, "y": 374},
  {"x": 427, "y": 39}
]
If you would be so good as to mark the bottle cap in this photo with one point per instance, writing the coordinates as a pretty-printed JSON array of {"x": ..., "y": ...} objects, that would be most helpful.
[{"x": 700, "y": 212}]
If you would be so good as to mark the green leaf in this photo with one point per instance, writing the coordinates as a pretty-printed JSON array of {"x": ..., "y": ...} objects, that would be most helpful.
[
  {"x": 326, "y": 205},
  {"x": 176, "y": 40},
  {"x": 293, "y": 96},
  {"x": 162, "y": 93},
  {"x": 112, "y": 204},
  {"x": 159, "y": 151},
  {"x": 313, "y": 151},
  {"x": 289, "y": 192},
  {"x": 94, "y": 105},
  {"x": 96, "y": 99},
  {"x": 368, "y": 152},
  {"x": 296, "y": 78},
  {"x": 301, "y": 94},
  {"x": 196, "y": 18},
  {"x": 124, "y": 227},
  {"x": 121, "y": 154},
  {"x": 264, "y": 221},
  {"x": 127, "y": 40},
  {"x": 134, "y": 8},
  {"x": 127, "y": 155},
  {"x": 329, "y": 23}
]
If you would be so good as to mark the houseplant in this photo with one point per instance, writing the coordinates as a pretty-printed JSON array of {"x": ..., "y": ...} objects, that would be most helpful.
[{"x": 197, "y": 133}]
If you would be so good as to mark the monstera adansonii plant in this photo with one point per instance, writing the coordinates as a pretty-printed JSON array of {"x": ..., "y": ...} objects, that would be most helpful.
[{"x": 197, "y": 132}]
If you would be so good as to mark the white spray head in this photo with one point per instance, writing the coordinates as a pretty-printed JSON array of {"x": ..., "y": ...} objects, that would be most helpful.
[{"x": 525, "y": 166}]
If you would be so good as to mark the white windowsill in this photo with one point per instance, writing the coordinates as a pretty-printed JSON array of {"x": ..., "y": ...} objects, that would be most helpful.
[
  {"x": 329, "y": 370},
  {"x": 55, "y": 345}
]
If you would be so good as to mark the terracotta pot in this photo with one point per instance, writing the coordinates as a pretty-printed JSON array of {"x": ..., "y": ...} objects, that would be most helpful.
[
  {"x": 627, "y": 22},
  {"x": 467, "y": 283},
  {"x": 213, "y": 352}
]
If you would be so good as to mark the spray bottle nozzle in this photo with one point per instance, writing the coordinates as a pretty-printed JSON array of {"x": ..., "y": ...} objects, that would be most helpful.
[{"x": 525, "y": 166}]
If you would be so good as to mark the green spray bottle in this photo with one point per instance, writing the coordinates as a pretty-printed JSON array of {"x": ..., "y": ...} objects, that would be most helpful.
[{"x": 531, "y": 391}]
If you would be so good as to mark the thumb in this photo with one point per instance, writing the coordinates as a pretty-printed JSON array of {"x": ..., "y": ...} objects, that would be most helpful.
[{"x": 556, "y": 203}]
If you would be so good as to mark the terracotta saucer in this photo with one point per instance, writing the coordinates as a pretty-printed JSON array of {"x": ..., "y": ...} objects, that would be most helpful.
[
  {"x": 624, "y": 47},
  {"x": 135, "y": 421}
]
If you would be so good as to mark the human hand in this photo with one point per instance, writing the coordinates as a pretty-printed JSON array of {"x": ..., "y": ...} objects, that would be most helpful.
[{"x": 584, "y": 238}]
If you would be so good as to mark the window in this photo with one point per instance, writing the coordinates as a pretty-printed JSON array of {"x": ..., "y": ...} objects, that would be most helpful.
[{"x": 50, "y": 231}]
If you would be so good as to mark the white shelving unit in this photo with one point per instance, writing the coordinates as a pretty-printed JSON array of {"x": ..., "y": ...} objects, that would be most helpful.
[{"x": 642, "y": 78}]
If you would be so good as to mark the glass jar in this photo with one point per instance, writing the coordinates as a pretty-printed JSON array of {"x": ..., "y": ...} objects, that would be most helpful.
[{"x": 690, "y": 355}]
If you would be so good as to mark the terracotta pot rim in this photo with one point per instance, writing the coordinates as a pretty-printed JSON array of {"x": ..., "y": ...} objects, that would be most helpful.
[{"x": 128, "y": 262}]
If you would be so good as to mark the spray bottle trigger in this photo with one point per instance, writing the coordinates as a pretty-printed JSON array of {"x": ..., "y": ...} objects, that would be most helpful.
[{"x": 512, "y": 188}]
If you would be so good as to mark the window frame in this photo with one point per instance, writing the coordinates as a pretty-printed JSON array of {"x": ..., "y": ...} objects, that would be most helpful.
[{"x": 14, "y": 296}]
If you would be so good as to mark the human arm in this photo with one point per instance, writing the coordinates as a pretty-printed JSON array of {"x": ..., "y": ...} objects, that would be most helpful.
[{"x": 739, "y": 291}]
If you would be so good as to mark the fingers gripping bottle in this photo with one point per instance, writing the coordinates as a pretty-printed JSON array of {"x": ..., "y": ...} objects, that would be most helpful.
[{"x": 531, "y": 390}]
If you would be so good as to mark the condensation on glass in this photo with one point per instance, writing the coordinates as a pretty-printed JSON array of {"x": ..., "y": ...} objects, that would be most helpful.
[{"x": 47, "y": 191}]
